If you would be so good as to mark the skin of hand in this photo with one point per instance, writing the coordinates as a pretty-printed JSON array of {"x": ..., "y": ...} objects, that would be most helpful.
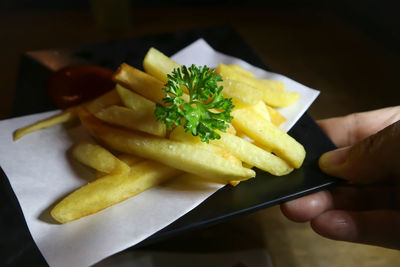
[{"x": 365, "y": 209}]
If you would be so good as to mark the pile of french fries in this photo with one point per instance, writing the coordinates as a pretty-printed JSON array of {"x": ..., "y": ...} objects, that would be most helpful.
[{"x": 147, "y": 154}]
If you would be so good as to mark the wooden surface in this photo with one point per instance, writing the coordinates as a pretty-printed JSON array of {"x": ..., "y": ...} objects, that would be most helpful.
[{"x": 352, "y": 71}]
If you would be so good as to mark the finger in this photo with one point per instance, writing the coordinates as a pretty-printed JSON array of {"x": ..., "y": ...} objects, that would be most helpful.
[
  {"x": 361, "y": 198},
  {"x": 350, "y": 129},
  {"x": 355, "y": 198},
  {"x": 308, "y": 207},
  {"x": 379, "y": 227},
  {"x": 373, "y": 159}
]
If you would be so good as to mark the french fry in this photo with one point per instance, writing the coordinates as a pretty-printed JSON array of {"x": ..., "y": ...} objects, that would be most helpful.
[
  {"x": 271, "y": 95},
  {"x": 65, "y": 116},
  {"x": 125, "y": 117},
  {"x": 159, "y": 65},
  {"x": 241, "y": 70},
  {"x": 99, "y": 158},
  {"x": 134, "y": 101},
  {"x": 231, "y": 129},
  {"x": 269, "y": 136},
  {"x": 141, "y": 82},
  {"x": 275, "y": 117},
  {"x": 129, "y": 159},
  {"x": 272, "y": 83},
  {"x": 187, "y": 157},
  {"x": 178, "y": 134},
  {"x": 261, "y": 108},
  {"x": 108, "y": 99},
  {"x": 244, "y": 72},
  {"x": 241, "y": 149},
  {"x": 111, "y": 189},
  {"x": 241, "y": 92}
]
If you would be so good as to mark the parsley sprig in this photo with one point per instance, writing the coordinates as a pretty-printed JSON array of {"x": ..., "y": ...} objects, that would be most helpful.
[{"x": 206, "y": 110}]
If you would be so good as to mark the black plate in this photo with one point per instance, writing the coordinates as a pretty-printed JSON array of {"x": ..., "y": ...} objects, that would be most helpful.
[{"x": 17, "y": 246}]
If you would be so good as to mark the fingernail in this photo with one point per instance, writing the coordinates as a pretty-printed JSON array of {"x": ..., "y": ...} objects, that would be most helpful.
[{"x": 333, "y": 159}]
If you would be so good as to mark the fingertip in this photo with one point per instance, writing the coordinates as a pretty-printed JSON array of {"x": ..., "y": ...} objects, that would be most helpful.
[
  {"x": 336, "y": 224},
  {"x": 330, "y": 162},
  {"x": 308, "y": 207}
]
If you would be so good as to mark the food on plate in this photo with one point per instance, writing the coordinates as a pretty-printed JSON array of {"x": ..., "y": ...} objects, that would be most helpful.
[
  {"x": 206, "y": 111},
  {"x": 76, "y": 84},
  {"x": 159, "y": 65},
  {"x": 273, "y": 93},
  {"x": 111, "y": 189},
  {"x": 98, "y": 158},
  {"x": 184, "y": 156},
  {"x": 65, "y": 116},
  {"x": 269, "y": 136},
  {"x": 212, "y": 124},
  {"x": 243, "y": 150}
]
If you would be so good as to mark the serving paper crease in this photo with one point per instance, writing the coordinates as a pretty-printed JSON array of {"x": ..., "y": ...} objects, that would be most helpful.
[{"x": 41, "y": 172}]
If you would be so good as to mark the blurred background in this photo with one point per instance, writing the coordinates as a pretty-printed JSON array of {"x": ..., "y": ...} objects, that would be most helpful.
[{"x": 346, "y": 49}]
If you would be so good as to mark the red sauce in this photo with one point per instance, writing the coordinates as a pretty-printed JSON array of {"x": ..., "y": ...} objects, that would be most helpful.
[{"x": 76, "y": 84}]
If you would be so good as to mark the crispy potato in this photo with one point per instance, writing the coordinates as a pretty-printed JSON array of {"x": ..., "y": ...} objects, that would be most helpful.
[
  {"x": 111, "y": 189},
  {"x": 241, "y": 149},
  {"x": 108, "y": 99},
  {"x": 159, "y": 65},
  {"x": 129, "y": 159},
  {"x": 241, "y": 70},
  {"x": 178, "y": 134},
  {"x": 271, "y": 95},
  {"x": 272, "y": 83},
  {"x": 98, "y": 158},
  {"x": 142, "y": 121},
  {"x": 231, "y": 129},
  {"x": 261, "y": 108},
  {"x": 275, "y": 117},
  {"x": 269, "y": 136},
  {"x": 241, "y": 92},
  {"x": 65, "y": 116},
  {"x": 184, "y": 156},
  {"x": 134, "y": 101},
  {"x": 140, "y": 82}
]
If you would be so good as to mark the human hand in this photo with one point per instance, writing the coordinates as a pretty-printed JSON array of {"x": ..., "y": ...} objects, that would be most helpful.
[{"x": 367, "y": 208}]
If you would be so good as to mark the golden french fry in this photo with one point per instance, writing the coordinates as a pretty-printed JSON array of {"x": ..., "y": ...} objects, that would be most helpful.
[
  {"x": 241, "y": 92},
  {"x": 187, "y": 157},
  {"x": 129, "y": 159},
  {"x": 271, "y": 95},
  {"x": 111, "y": 189},
  {"x": 135, "y": 101},
  {"x": 108, "y": 99},
  {"x": 231, "y": 129},
  {"x": 261, "y": 108},
  {"x": 159, "y": 65},
  {"x": 241, "y": 70},
  {"x": 98, "y": 158},
  {"x": 272, "y": 83},
  {"x": 140, "y": 82},
  {"x": 178, "y": 134},
  {"x": 125, "y": 117},
  {"x": 65, "y": 116},
  {"x": 241, "y": 149},
  {"x": 275, "y": 117},
  {"x": 268, "y": 135}
]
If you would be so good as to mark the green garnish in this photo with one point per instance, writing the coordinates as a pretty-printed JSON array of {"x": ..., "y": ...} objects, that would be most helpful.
[{"x": 204, "y": 95}]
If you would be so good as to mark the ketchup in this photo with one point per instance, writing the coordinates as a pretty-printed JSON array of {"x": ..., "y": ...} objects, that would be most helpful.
[{"x": 76, "y": 84}]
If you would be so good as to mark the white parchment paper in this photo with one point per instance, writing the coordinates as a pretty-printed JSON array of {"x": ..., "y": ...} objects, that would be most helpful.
[{"x": 41, "y": 172}]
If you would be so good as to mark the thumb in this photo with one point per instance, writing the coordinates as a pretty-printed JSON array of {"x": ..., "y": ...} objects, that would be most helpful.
[
  {"x": 373, "y": 159},
  {"x": 377, "y": 227}
]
